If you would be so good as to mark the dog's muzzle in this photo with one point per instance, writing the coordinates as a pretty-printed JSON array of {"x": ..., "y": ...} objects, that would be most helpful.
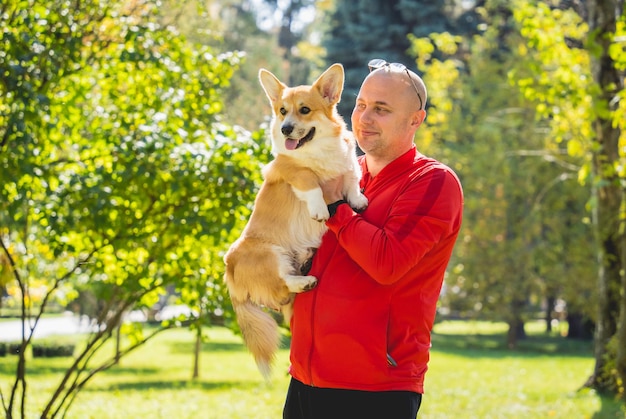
[{"x": 292, "y": 143}]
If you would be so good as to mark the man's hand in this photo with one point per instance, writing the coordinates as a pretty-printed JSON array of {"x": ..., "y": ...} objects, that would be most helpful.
[{"x": 333, "y": 190}]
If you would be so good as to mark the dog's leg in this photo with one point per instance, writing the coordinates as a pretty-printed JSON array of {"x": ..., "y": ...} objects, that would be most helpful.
[
  {"x": 305, "y": 185},
  {"x": 298, "y": 283},
  {"x": 315, "y": 203},
  {"x": 287, "y": 310},
  {"x": 294, "y": 283},
  {"x": 352, "y": 191}
]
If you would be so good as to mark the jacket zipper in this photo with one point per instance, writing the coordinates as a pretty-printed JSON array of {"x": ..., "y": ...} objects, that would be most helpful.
[{"x": 310, "y": 362}]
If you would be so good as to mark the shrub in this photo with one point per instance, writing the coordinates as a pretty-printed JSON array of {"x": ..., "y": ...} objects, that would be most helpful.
[
  {"x": 13, "y": 348},
  {"x": 51, "y": 350}
]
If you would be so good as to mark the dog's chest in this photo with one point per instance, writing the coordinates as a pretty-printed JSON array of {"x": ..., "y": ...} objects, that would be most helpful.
[{"x": 305, "y": 231}]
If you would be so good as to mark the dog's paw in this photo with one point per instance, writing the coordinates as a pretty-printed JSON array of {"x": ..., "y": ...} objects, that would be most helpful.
[
  {"x": 319, "y": 213},
  {"x": 358, "y": 203},
  {"x": 310, "y": 285},
  {"x": 298, "y": 284}
]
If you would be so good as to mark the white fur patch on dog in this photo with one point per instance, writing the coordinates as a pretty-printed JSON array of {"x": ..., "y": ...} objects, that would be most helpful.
[{"x": 315, "y": 203}]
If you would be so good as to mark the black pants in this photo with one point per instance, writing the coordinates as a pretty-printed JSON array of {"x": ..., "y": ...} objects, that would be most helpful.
[{"x": 305, "y": 402}]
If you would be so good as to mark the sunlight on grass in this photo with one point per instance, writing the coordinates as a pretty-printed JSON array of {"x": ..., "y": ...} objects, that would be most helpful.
[
  {"x": 471, "y": 375},
  {"x": 229, "y": 385},
  {"x": 507, "y": 387}
]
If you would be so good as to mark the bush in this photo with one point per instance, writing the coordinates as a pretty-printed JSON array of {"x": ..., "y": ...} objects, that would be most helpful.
[
  {"x": 51, "y": 350},
  {"x": 3, "y": 349},
  {"x": 13, "y": 348}
]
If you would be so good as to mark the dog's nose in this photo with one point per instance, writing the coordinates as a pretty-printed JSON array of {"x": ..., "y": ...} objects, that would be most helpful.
[{"x": 286, "y": 129}]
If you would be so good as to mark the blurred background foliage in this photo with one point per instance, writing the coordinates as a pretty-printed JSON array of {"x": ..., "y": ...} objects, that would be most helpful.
[{"x": 132, "y": 134}]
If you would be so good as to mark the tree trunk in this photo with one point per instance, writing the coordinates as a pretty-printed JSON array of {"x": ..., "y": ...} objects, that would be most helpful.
[
  {"x": 515, "y": 333},
  {"x": 550, "y": 301},
  {"x": 516, "y": 330},
  {"x": 607, "y": 190},
  {"x": 620, "y": 356},
  {"x": 118, "y": 342},
  {"x": 197, "y": 351},
  {"x": 579, "y": 326}
]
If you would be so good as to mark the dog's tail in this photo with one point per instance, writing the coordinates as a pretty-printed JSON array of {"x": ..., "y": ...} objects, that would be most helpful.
[{"x": 260, "y": 334}]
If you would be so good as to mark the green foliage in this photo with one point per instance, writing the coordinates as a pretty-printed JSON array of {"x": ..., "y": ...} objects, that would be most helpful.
[
  {"x": 231, "y": 25},
  {"x": 561, "y": 94},
  {"x": 553, "y": 115},
  {"x": 365, "y": 29},
  {"x": 115, "y": 172},
  {"x": 578, "y": 95},
  {"x": 554, "y": 77},
  {"x": 524, "y": 210},
  {"x": 125, "y": 162}
]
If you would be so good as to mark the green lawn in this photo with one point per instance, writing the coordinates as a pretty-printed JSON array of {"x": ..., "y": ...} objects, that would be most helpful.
[
  {"x": 540, "y": 380},
  {"x": 471, "y": 376}
]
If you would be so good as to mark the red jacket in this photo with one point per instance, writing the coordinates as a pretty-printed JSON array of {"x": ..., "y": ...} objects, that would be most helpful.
[{"x": 367, "y": 324}]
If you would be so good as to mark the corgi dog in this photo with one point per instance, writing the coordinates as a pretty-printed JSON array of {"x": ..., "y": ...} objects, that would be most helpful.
[{"x": 266, "y": 266}]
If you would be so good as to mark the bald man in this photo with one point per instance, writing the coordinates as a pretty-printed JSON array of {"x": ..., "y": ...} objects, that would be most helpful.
[{"x": 361, "y": 338}]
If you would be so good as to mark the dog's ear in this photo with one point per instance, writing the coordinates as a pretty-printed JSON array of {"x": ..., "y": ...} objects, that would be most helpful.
[
  {"x": 272, "y": 86},
  {"x": 330, "y": 84}
]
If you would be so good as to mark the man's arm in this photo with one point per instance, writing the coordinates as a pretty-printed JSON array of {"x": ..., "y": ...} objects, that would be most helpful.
[{"x": 420, "y": 217}]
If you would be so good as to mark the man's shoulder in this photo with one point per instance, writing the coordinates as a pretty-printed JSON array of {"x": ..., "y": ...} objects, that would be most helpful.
[
  {"x": 428, "y": 164},
  {"x": 428, "y": 167}
]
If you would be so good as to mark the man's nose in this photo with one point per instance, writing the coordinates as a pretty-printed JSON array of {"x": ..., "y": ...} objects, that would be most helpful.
[{"x": 366, "y": 116}]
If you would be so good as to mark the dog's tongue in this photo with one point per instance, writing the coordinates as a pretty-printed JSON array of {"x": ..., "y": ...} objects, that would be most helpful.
[{"x": 291, "y": 144}]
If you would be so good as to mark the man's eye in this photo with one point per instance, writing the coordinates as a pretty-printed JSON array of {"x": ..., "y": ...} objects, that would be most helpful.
[
  {"x": 283, "y": 111},
  {"x": 304, "y": 110}
]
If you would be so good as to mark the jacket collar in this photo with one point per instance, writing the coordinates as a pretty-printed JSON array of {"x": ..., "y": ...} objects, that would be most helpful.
[{"x": 399, "y": 165}]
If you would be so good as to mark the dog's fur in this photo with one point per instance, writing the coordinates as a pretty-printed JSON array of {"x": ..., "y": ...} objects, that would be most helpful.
[{"x": 264, "y": 266}]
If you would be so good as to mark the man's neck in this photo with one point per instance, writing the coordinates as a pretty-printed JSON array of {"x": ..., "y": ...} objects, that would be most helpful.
[
  {"x": 377, "y": 163},
  {"x": 374, "y": 165}
]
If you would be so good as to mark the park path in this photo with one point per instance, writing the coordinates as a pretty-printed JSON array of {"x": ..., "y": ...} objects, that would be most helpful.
[{"x": 11, "y": 330}]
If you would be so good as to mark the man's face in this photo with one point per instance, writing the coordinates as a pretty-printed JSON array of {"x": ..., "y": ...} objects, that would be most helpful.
[{"x": 384, "y": 116}]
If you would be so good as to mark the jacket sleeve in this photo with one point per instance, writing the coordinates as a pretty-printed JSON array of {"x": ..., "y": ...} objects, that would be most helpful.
[{"x": 426, "y": 211}]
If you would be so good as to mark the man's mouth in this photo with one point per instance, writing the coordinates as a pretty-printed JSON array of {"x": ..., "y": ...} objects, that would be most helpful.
[
  {"x": 292, "y": 143},
  {"x": 367, "y": 133}
]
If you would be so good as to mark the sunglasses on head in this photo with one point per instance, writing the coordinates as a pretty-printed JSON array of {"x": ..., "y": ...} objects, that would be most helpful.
[{"x": 377, "y": 63}]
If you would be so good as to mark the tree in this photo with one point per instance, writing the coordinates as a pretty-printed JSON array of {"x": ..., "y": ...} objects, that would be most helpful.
[
  {"x": 229, "y": 25},
  {"x": 287, "y": 19},
  {"x": 365, "y": 29},
  {"x": 560, "y": 105},
  {"x": 577, "y": 91},
  {"x": 606, "y": 25},
  {"x": 515, "y": 179},
  {"x": 115, "y": 172},
  {"x": 269, "y": 34}
]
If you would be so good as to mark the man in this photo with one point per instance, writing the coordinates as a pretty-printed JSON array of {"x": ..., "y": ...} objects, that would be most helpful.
[{"x": 361, "y": 338}]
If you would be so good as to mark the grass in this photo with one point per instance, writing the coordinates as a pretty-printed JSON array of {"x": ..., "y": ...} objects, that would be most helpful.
[{"x": 471, "y": 375}]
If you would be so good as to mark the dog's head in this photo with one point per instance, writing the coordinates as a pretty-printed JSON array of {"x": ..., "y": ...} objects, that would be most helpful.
[{"x": 303, "y": 114}]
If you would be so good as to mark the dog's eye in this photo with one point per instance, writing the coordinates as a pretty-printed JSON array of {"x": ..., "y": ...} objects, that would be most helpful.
[
  {"x": 283, "y": 111},
  {"x": 304, "y": 110}
]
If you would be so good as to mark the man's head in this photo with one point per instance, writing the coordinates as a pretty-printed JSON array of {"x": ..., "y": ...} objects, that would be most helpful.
[
  {"x": 389, "y": 109},
  {"x": 416, "y": 81}
]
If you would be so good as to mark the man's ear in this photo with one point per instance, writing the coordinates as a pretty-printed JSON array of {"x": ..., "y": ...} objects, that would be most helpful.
[{"x": 418, "y": 117}]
